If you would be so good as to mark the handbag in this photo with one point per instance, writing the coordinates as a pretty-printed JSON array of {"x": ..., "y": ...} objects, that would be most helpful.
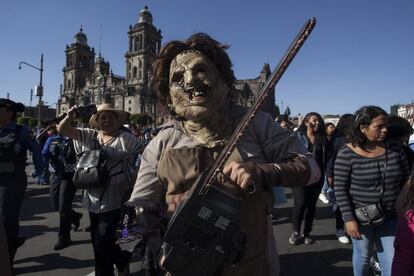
[
  {"x": 373, "y": 214},
  {"x": 91, "y": 170}
]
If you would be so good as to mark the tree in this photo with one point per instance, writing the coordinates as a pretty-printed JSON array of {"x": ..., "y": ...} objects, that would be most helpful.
[
  {"x": 142, "y": 119},
  {"x": 27, "y": 121},
  {"x": 32, "y": 122},
  {"x": 277, "y": 111},
  {"x": 22, "y": 120}
]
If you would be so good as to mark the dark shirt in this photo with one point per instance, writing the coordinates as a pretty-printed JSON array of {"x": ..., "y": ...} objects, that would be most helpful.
[
  {"x": 317, "y": 149},
  {"x": 27, "y": 142},
  {"x": 335, "y": 145}
]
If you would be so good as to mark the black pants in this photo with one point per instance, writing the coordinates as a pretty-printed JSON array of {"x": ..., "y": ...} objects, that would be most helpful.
[
  {"x": 12, "y": 189},
  {"x": 107, "y": 253},
  {"x": 304, "y": 206},
  {"x": 339, "y": 220},
  {"x": 62, "y": 192}
]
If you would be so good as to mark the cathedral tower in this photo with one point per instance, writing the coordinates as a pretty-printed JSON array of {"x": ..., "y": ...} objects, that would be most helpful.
[
  {"x": 79, "y": 64},
  {"x": 144, "y": 42}
]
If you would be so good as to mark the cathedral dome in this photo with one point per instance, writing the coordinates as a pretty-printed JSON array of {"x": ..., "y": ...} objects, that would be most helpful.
[
  {"x": 80, "y": 37},
  {"x": 145, "y": 16}
]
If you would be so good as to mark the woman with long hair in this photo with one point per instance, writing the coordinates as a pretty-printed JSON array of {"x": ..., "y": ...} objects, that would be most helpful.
[
  {"x": 312, "y": 134},
  {"x": 368, "y": 175}
]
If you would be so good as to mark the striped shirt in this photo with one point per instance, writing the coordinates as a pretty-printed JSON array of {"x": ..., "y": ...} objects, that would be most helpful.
[
  {"x": 123, "y": 147},
  {"x": 358, "y": 179}
]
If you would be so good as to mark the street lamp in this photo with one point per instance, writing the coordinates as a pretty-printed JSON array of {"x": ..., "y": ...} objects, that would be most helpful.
[{"x": 39, "y": 90}]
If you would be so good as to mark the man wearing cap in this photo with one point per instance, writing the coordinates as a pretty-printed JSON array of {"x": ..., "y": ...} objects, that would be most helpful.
[
  {"x": 59, "y": 152},
  {"x": 15, "y": 140}
]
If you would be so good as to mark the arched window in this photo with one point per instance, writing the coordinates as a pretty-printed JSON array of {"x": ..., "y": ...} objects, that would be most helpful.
[
  {"x": 131, "y": 39},
  {"x": 136, "y": 43},
  {"x": 134, "y": 72},
  {"x": 69, "y": 84}
]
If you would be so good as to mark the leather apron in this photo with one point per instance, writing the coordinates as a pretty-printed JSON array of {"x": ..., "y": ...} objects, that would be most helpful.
[{"x": 178, "y": 170}]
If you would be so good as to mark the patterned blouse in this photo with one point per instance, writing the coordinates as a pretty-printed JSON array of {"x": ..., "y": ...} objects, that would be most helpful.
[{"x": 122, "y": 152}]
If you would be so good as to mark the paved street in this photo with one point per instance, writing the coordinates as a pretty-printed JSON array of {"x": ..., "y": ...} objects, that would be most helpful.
[{"x": 39, "y": 225}]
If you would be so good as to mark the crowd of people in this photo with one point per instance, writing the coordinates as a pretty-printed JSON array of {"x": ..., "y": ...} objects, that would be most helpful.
[
  {"x": 367, "y": 162},
  {"x": 362, "y": 166}
]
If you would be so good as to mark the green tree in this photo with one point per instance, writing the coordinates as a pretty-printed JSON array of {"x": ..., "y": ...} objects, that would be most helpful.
[
  {"x": 277, "y": 111},
  {"x": 142, "y": 119},
  {"x": 32, "y": 122},
  {"x": 24, "y": 121}
]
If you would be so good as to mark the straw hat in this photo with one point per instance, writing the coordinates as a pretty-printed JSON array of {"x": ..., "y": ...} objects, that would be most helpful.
[{"x": 121, "y": 114}]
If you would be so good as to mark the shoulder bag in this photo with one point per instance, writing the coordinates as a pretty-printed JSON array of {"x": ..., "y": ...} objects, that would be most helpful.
[
  {"x": 91, "y": 170},
  {"x": 373, "y": 214}
]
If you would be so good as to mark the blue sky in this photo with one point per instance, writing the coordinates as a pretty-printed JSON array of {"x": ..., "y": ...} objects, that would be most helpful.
[{"x": 360, "y": 52}]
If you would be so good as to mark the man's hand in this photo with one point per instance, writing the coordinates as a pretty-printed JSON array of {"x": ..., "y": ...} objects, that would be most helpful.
[
  {"x": 352, "y": 229},
  {"x": 239, "y": 174}
]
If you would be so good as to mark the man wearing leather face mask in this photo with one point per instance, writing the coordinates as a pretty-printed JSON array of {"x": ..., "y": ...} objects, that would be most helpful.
[{"x": 194, "y": 80}]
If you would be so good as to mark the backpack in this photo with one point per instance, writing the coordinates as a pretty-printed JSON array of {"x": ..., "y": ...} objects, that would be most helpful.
[
  {"x": 91, "y": 170},
  {"x": 62, "y": 156}
]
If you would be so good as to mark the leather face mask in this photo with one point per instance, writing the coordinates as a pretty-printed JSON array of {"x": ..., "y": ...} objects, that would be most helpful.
[{"x": 196, "y": 88}]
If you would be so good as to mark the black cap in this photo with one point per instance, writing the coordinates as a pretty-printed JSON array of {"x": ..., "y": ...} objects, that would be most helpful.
[{"x": 9, "y": 104}]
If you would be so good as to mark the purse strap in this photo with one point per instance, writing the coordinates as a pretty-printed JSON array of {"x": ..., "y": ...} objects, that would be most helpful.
[
  {"x": 95, "y": 143},
  {"x": 383, "y": 174}
]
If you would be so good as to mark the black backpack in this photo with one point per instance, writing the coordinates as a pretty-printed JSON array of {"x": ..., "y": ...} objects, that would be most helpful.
[{"x": 91, "y": 170}]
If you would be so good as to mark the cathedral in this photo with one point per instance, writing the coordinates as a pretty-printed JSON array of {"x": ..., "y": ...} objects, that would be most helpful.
[{"x": 88, "y": 79}]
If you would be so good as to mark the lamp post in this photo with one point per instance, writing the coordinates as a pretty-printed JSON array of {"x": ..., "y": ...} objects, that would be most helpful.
[{"x": 39, "y": 90}]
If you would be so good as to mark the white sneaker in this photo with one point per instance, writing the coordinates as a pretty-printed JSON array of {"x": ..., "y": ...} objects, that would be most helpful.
[
  {"x": 323, "y": 198},
  {"x": 342, "y": 238}
]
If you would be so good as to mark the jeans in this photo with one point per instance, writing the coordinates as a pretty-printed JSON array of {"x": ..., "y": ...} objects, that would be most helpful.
[
  {"x": 382, "y": 236},
  {"x": 325, "y": 187},
  {"x": 44, "y": 176},
  {"x": 279, "y": 195}
]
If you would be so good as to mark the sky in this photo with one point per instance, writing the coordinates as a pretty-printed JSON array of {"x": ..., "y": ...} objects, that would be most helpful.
[{"x": 361, "y": 52}]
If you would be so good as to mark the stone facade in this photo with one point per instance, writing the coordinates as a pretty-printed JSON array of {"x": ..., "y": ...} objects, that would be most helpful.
[
  {"x": 46, "y": 112},
  {"x": 248, "y": 89},
  {"x": 89, "y": 80},
  {"x": 407, "y": 111}
]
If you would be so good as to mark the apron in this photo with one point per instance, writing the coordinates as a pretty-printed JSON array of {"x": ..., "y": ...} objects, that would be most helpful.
[{"x": 178, "y": 170}]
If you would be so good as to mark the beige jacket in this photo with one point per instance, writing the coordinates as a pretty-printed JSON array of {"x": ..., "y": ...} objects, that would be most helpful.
[{"x": 264, "y": 142}]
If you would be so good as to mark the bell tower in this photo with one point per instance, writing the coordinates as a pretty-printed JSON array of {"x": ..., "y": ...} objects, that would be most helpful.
[
  {"x": 79, "y": 64},
  {"x": 144, "y": 42}
]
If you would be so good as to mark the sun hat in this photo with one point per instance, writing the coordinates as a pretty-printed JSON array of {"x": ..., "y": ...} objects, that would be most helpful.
[{"x": 121, "y": 114}]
